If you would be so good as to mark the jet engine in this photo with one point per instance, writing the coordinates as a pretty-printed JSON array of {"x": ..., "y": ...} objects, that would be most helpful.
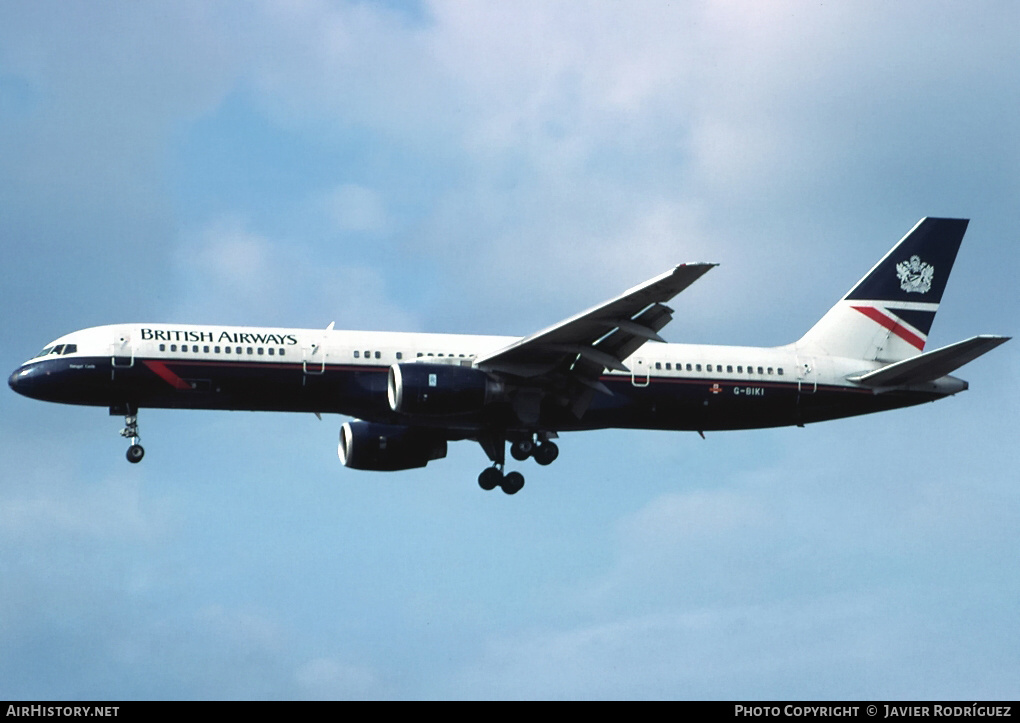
[
  {"x": 387, "y": 447},
  {"x": 440, "y": 389}
]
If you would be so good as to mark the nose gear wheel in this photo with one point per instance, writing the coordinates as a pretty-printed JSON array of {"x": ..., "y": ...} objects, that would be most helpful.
[{"x": 135, "y": 452}]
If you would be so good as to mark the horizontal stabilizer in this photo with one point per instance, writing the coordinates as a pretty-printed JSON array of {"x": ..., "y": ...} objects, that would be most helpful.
[{"x": 931, "y": 365}]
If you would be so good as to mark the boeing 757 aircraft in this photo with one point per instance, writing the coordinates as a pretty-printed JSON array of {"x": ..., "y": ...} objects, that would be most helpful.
[{"x": 411, "y": 394}]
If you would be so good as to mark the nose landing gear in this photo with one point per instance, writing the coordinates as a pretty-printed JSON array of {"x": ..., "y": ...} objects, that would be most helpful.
[{"x": 135, "y": 452}]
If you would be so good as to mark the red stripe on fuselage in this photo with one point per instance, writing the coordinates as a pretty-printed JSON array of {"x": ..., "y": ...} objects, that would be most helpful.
[
  {"x": 166, "y": 375},
  {"x": 892, "y": 325}
]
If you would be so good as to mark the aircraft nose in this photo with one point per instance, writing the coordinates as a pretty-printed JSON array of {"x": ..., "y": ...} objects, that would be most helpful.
[
  {"x": 22, "y": 380},
  {"x": 12, "y": 382}
]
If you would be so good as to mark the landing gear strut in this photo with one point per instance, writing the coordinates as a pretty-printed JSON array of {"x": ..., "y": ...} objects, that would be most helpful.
[
  {"x": 135, "y": 452},
  {"x": 538, "y": 446},
  {"x": 492, "y": 477}
]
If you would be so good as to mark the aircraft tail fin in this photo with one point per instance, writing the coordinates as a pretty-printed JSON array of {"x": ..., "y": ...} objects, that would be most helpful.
[
  {"x": 886, "y": 316},
  {"x": 931, "y": 365}
]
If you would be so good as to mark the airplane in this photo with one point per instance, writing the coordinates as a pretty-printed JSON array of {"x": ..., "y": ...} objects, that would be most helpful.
[{"x": 411, "y": 393}]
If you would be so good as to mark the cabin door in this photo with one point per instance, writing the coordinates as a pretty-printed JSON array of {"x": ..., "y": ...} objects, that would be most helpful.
[
  {"x": 807, "y": 375},
  {"x": 313, "y": 360},
  {"x": 122, "y": 352},
  {"x": 639, "y": 373}
]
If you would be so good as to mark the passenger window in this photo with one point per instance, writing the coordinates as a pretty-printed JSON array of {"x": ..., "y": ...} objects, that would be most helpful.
[
  {"x": 740, "y": 370},
  {"x": 162, "y": 347},
  {"x": 357, "y": 354},
  {"x": 780, "y": 370},
  {"x": 368, "y": 355},
  {"x": 173, "y": 347},
  {"x": 216, "y": 349},
  {"x": 688, "y": 367},
  {"x": 261, "y": 350},
  {"x": 237, "y": 349},
  {"x": 250, "y": 350},
  {"x": 400, "y": 355},
  {"x": 770, "y": 370},
  {"x": 760, "y": 371},
  {"x": 669, "y": 366},
  {"x": 205, "y": 349},
  {"x": 378, "y": 355},
  {"x": 697, "y": 367},
  {"x": 729, "y": 369},
  {"x": 271, "y": 351},
  {"x": 658, "y": 365},
  {"x": 282, "y": 352},
  {"x": 195, "y": 348}
]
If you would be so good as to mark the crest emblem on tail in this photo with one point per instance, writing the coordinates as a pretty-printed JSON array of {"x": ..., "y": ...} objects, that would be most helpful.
[{"x": 915, "y": 275}]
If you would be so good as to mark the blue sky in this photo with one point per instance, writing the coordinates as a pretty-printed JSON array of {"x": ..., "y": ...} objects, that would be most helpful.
[{"x": 493, "y": 168}]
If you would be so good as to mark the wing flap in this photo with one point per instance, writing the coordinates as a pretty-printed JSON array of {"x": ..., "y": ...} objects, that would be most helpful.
[{"x": 930, "y": 365}]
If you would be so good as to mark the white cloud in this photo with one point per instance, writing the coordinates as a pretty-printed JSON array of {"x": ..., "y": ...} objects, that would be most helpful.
[
  {"x": 352, "y": 207},
  {"x": 230, "y": 274},
  {"x": 328, "y": 679},
  {"x": 44, "y": 503},
  {"x": 782, "y": 649},
  {"x": 112, "y": 510},
  {"x": 232, "y": 257}
]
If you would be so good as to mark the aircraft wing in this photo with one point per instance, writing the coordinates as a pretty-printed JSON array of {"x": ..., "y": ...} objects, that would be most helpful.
[{"x": 581, "y": 347}]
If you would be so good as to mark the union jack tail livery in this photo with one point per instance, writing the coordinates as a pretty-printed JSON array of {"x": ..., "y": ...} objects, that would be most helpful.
[{"x": 887, "y": 315}]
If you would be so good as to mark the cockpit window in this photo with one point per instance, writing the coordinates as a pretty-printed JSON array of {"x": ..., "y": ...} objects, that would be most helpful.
[
  {"x": 44, "y": 352},
  {"x": 70, "y": 348},
  {"x": 58, "y": 349}
]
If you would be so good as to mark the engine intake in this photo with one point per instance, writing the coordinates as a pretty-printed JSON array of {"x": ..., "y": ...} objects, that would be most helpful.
[
  {"x": 387, "y": 447},
  {"x": 440, "y": 389}
]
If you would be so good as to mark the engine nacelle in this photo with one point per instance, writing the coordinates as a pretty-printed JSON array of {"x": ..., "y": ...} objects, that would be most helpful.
[
  {"x": 440, "y": 389},
  {"x": 387, "y": 447}
]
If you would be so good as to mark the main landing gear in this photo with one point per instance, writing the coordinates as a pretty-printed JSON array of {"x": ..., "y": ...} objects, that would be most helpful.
[
  {"x": 544, "y": 451},
  {"x": 493, "y": 477},
  {"x": 538, "y": 446},
  {"x": 135, "y": 452}
]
